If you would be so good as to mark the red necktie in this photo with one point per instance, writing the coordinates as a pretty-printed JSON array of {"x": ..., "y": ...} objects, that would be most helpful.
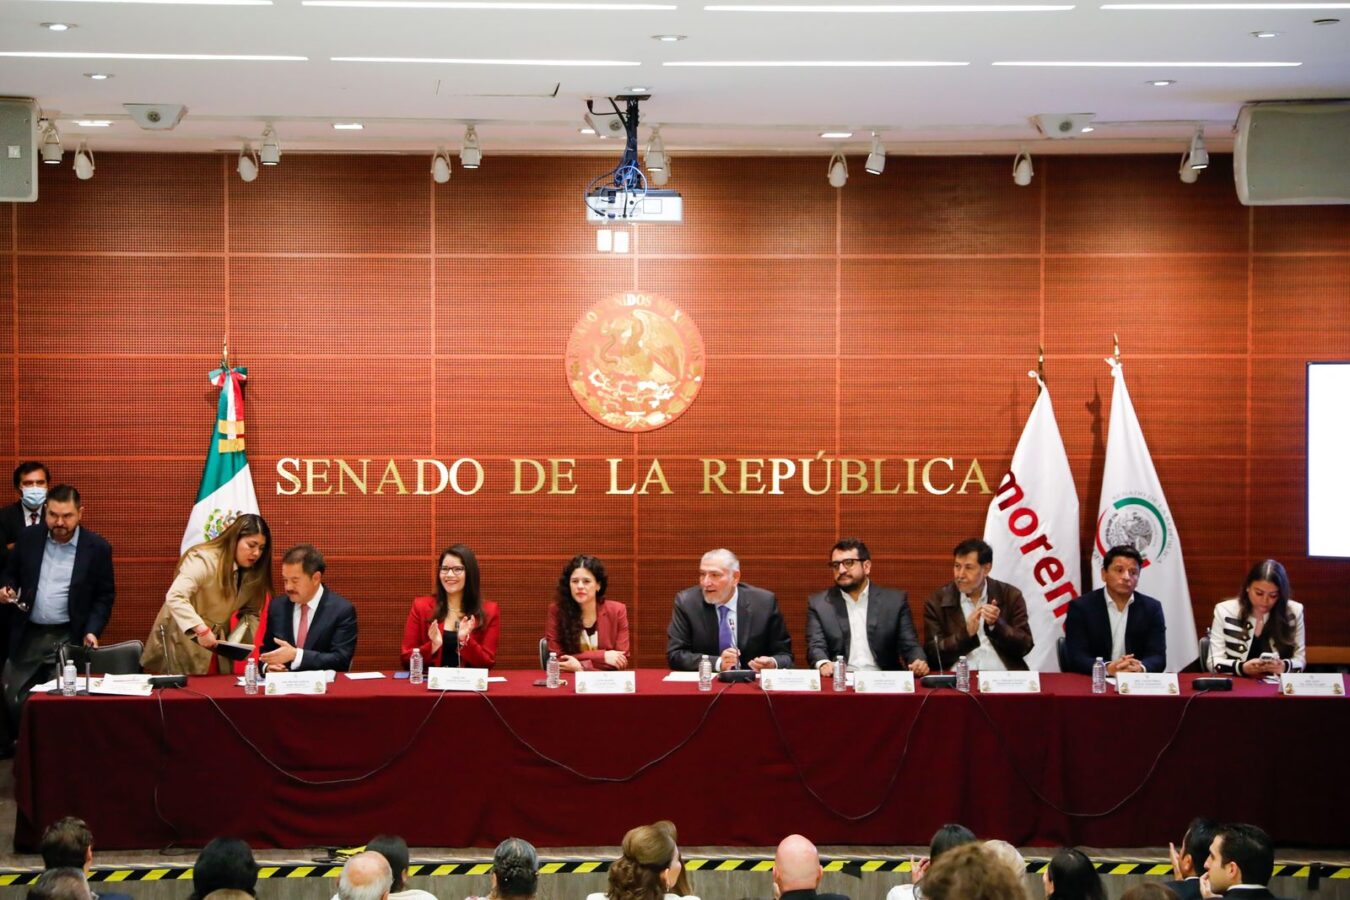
[
  {"x": 32, "y": 518},
  {"x": 303, "y": 631}
]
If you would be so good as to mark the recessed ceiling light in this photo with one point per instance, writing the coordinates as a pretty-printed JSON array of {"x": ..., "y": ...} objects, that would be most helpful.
[
  {"x": 1084, "y": 64},
  {"x": 1161, "y": 82},
  {"x": 212, "y": 57},
  {"x": 93, "y": 123},
  {"x": 1086, "y": 129},
  {"x": 669, "y": 38},
  {"x": 177, "y": 2},
  {"x": 585, "y": 131},
  {"x": 97, "y": 76},
  {"x": 887, "y": 8},
  {"x": 637, "y": 89},
  {"x": 1223, "y": 6},
  {"x": 348, "y": 126},
  {"x": 1265, "y": 34},
  {"x": 480, "y": 4},
  {"x": 58, "y": 26},
  {"x": 836, "y": 135},
  {"x": 451, "y": 61},
  {"x": 813, "y": 64}
]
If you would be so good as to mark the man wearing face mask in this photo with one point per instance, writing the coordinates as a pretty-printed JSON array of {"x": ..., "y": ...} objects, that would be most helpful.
[{"x": 30, "y": 480}]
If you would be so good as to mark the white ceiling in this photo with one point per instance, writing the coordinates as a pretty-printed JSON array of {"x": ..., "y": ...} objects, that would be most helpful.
[{"x": 412, "y": 107}]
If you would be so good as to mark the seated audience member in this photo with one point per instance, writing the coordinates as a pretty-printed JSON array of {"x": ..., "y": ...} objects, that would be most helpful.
[
  {"x": 68, "y": 843},
  {"x": 1188, "y": 863},
  {"x": 457, "y": 626},
  {"x": 975, "y": 616},
  {"x": 948, "y": 837},
  {"x": 972, "y": 872},
  {"x": 515, "y": 871},
  {"x": 797, "y": 871},
  {"x": 65, "y": 883},
  {"x": 586, "y": 630},
  {"x": 1071, "y": 876},
  {"x": 1263, "y": 619},
  {"x": 224, "y": 864},
  {"x": 737, "y": 625},
  {"x": 1240, "y": 862},
  {"x": 366, "y": 876},
  {"x": 867, "y": 624},
  {"x": 1125, "y": 628},
  {"x": 394, "y": 849},
  {"x": 1010, "y": 856},
  {"x": 310, "y": 628},
  {"x": 222, "y": 894},
  {"x": 1149, "y": 890},
  {"x": 649, "y": 865}
]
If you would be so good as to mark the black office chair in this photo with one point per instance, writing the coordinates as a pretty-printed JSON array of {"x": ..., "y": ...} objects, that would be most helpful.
[
  {"x": 1204, "y": 654},
  {"x": 1062, "y": 651},
  {"x": 543, "y": 653},
  {"x": 114, "y": 659}
]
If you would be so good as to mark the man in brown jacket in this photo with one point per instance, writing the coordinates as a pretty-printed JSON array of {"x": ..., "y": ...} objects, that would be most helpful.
[{"x": 976, "y": 616}]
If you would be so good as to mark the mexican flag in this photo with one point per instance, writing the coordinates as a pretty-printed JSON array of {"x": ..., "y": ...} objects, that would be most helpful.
[
  {"x": 1134, "y": 511},
  {"x": 1032, "y": 524},
  {"x": 227, "y": 484}
]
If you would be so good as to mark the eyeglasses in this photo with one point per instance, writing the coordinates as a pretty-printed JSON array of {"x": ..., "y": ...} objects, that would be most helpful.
[
  {"x": 844, "y": 563},
  {"x": 452, "y": 570}
]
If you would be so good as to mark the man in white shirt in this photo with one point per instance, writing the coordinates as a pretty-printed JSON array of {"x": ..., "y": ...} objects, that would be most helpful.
[
  {"x": 1241, "y": 860},
  {"x": 1126, "y": 629},
  {"x": 310, "y": 628},
  {"x": 869, "y": 625},
  {"x": 975, "y": 616}
]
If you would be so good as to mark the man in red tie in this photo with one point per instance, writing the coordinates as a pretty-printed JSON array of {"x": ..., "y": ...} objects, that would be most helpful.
[
  {"x": 311, "y": 627},
  {"x": 30, "y": 480}
]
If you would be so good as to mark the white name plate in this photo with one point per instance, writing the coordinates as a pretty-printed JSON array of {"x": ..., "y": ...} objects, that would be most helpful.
[
  {"x": 869, "y": 682},
  {"x": 606, "y": 682},
  {"x": 1305, "y": 685},
  {"x": 1147, "y": 684},
  {"x": 789, "y": 679},
  {"x": 122, "y": 685},
  {"x": 1010, "y": 682},
  {"x": 279, "y": 683},
  {"x": 446, "y": 678}
]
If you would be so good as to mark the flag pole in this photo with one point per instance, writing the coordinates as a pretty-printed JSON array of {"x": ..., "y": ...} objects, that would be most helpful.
[
  {"x": 225, "y": 352},
  {"x": 1115, "y": 343},
  {"x": 1040, "y": 368}
]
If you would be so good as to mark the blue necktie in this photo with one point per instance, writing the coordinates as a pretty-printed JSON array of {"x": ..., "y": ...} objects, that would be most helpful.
[{"x": 724, "y": 628}]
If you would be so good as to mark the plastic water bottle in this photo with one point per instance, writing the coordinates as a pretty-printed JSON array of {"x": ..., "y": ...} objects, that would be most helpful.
[
  {"x": 705, "y": 673},
  {"x": 963, "y": 675},
  {"x": 840, "y": 674},
  {"x": 415, "y": 667},
  {"x": 553, "y": 674},
  {"x": 1099, "y": 677},
  {"x": 68, "y": 680},
  {"x": 251, "y": 676}
]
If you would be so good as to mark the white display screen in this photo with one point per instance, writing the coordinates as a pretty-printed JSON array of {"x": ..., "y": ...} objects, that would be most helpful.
[{"x": 1329, "y": 459}]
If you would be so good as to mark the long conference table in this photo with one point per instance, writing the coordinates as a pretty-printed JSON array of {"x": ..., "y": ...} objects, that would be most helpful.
[{"x": 737, "y": 766}]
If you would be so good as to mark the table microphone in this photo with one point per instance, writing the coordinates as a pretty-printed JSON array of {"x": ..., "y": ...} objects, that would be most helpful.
[{"x": 938, "y": 681}]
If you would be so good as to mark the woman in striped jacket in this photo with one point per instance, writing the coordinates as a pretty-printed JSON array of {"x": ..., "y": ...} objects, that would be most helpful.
[{"x": 1260, "y": 631}]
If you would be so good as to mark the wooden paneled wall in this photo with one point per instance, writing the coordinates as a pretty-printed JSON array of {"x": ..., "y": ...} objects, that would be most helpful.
[{"x": 382, "y": 316}]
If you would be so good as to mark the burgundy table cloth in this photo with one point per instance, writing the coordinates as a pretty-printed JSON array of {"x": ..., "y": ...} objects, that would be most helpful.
[{"x": 734, "y": 767}]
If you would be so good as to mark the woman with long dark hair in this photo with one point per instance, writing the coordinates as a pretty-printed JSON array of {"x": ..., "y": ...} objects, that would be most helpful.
[
  {"x": 1071, "y": 876},
  {"x": 584, "y": 629},
  {"x": 229, "y": 574},
  {"x": 456, "y": 626},
  {"x": 1260, "y": 631}
]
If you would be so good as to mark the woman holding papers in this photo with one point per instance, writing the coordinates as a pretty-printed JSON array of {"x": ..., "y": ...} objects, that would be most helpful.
[
  {"x": 229, "y": 574},
  {"x": 456, "y": 627},
  {"x": 584, "y": 629},
  {"x": 1260, "y": 631}
]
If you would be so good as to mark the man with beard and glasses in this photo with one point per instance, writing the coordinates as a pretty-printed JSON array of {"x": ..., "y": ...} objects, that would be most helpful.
[{"x": 867, "y": 624}]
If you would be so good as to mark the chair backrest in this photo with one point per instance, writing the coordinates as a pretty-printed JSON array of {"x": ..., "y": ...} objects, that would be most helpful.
[
  {"x": 543, "y": 653},
  {"x": 114, "y": 659},
  {"x": 1061, "y": 650},
  {"x": 1204, "y": 653}
]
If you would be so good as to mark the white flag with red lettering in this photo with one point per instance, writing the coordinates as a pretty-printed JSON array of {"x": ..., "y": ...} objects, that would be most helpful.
[
  {"x": 1134, "y": 511},
  {"x": 1032, "y": 525}
]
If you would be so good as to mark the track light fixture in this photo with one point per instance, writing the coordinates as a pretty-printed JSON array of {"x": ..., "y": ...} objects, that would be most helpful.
[
  {"x": 838, "y": 170},
  {"x": 51, "y": 143},
  {"x": 1184, "y": 170},
  {"x": 876, "y": 160},
  {"x": 1022, "y": 170},
  {"x": 84, "y": 162},
  {"x": 656, "y": 152},
  {"x": 470, "y": 155},
  {"x": 440, "y": 166},
  {"x": 270, "y": 155},
  {"x": 1198, "y": 154},
  {"x": 247, "y": 166}
]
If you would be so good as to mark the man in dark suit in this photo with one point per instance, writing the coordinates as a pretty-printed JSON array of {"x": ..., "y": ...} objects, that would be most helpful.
[
  {"x": 1124, "y": 628},
  {"x": 1188, "y": 863},
  {"x": 975, "y": 616},
  {"x": 797, "y": 871},
  {"x": 1241, "y": 859},
  {"x": 727, "y": 620},
  {"x": 869, "y": 625},
  {"x": 311, "y": 627},
  {"x": 59, "y": 587},
  {"x": 30, "y": 480}
]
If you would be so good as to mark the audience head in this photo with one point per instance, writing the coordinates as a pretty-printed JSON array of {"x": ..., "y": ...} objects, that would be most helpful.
[
  {"x": 457, "y": 575},
  {"x": 227, "y": 894},
  {"x": 1071, "y": 876},
  {"x": 1008, "y": 855},
  {"x": 67, "y": 843},
  {"x": 224, "y": 863},
  {"x": 515, "y": 870},
  {"x": 1195, "y": 845},
  {"x": 366, "y": 876},
  {"x": 683, "y": 885},
  {"x": 1149, "y": 890},
  {"x": 949, "y": 837},
  {"x": 650, "y": 864},
  {"x": 796, "y": 866},
  {"x": 1239, "y": 854},
  {"x": 394, "y": 849},
  {"x": 972, "y": 872},
  {"x": 64, "y": 883}
]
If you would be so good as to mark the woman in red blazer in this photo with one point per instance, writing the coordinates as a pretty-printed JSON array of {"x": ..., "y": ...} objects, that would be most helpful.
[
  {"x": 456, "y": 627},
  {"x": 584, "y": 629}
]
